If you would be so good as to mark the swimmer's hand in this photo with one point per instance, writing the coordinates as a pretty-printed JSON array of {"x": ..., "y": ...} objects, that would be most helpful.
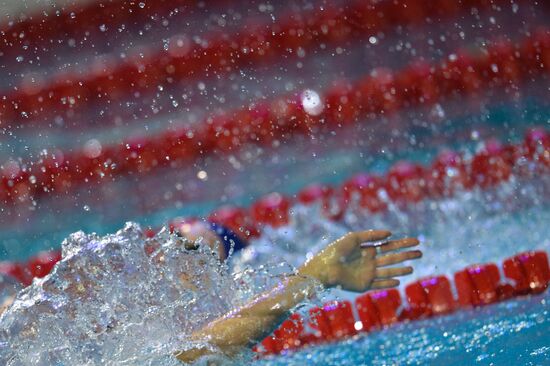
[{"x": 357, "y": 261}]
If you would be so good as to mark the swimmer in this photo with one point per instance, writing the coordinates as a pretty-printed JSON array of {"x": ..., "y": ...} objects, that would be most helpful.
[{"x": 356, "y": 262}]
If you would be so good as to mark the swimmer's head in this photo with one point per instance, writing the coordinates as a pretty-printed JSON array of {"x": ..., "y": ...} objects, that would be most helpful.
[{"x": 220, "y": 239}]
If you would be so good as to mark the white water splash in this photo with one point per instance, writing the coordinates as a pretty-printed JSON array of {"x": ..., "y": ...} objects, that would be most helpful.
[{"x": 120, "y": 299}]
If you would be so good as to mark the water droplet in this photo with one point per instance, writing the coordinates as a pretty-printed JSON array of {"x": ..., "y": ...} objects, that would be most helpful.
[
  {"x": 92, "y": 148},
  {"x": 311, "y": 102},
  {"x": 202, "y": 175}
]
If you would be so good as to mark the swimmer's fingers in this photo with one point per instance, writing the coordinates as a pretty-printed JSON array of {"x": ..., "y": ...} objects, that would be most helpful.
[
  {"x": 371, "y": 235},
  {"x": 399, "y": 244},
  {"x": 389, "y": 283},
  {"x": 383, "y": 273},
  {"x": 394, "y": 258},
  {"x": 351, "y": 242}
]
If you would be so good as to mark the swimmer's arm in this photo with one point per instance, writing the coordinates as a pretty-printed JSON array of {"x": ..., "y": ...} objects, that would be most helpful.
[
  {"x": 251, "y": 323},
  {"x": 344, "y": 263}
]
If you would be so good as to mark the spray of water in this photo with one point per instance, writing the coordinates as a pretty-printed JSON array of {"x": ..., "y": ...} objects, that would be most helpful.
[
  {"x": 118, "y": 299},
  {"x": 477, "y": 226}
]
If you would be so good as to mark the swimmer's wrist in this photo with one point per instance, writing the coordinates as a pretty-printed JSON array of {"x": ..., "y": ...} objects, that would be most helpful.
[
  {"x": 310, "y": 272},
  {"x": 302, "y": 286}
]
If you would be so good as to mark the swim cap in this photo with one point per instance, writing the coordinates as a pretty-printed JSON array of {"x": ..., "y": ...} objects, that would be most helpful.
[{"x": 229, "y": 238}]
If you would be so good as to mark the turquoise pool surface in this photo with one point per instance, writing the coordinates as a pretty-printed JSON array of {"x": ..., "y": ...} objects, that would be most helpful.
[
  {"x": 511, "y": 333},
  {"x": 472, "y": 226}
]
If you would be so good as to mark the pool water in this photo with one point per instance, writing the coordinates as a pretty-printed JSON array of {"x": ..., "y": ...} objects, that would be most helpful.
[
  {"x": 510, "y": 333},
  {"x": 119, "y": 308},
  {"x": 470, "y": 227}
]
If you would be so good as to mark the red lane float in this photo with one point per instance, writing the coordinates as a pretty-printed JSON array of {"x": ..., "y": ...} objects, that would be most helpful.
[
  {"x": 438, "y": 294},
  {"x": 418, "y": 305},
  {"x": 378, "y": 308},
  {"x": 427, "y": 297},
  {"x": 447, "y": 174},
  {"x": 37, "y": 266},
  {"x": 236, "y": 219},
  {"x": 42, "y": 263},
  {"x": 340, "y": 318},
  {"x": 367, "y": 311},
  {"x": 529, "y": 271},
  {"x": 326, "y": 197},
  {"x": 365, "y": 188},
  {"x": 247, "y": 46},
  {"x": 61, "y": 171},
  {"x": 272, "y": 209},
  {"x": 18, "y": 271},
  {"x": 406, "y": 183},
  {"x": 287, "y": 336},
  {"x": 315, "y": 193},
  {"x": 491, "y": 165},
  {"x": 476, "y": 286},
  {"x": 319, "y": 323}
]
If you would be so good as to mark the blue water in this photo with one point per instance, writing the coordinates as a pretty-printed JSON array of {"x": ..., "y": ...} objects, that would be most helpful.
[
  {"x": 511, "y": 333},
  {"x": 465, "y": 231},
  {"x": 515, "y": 332}
]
